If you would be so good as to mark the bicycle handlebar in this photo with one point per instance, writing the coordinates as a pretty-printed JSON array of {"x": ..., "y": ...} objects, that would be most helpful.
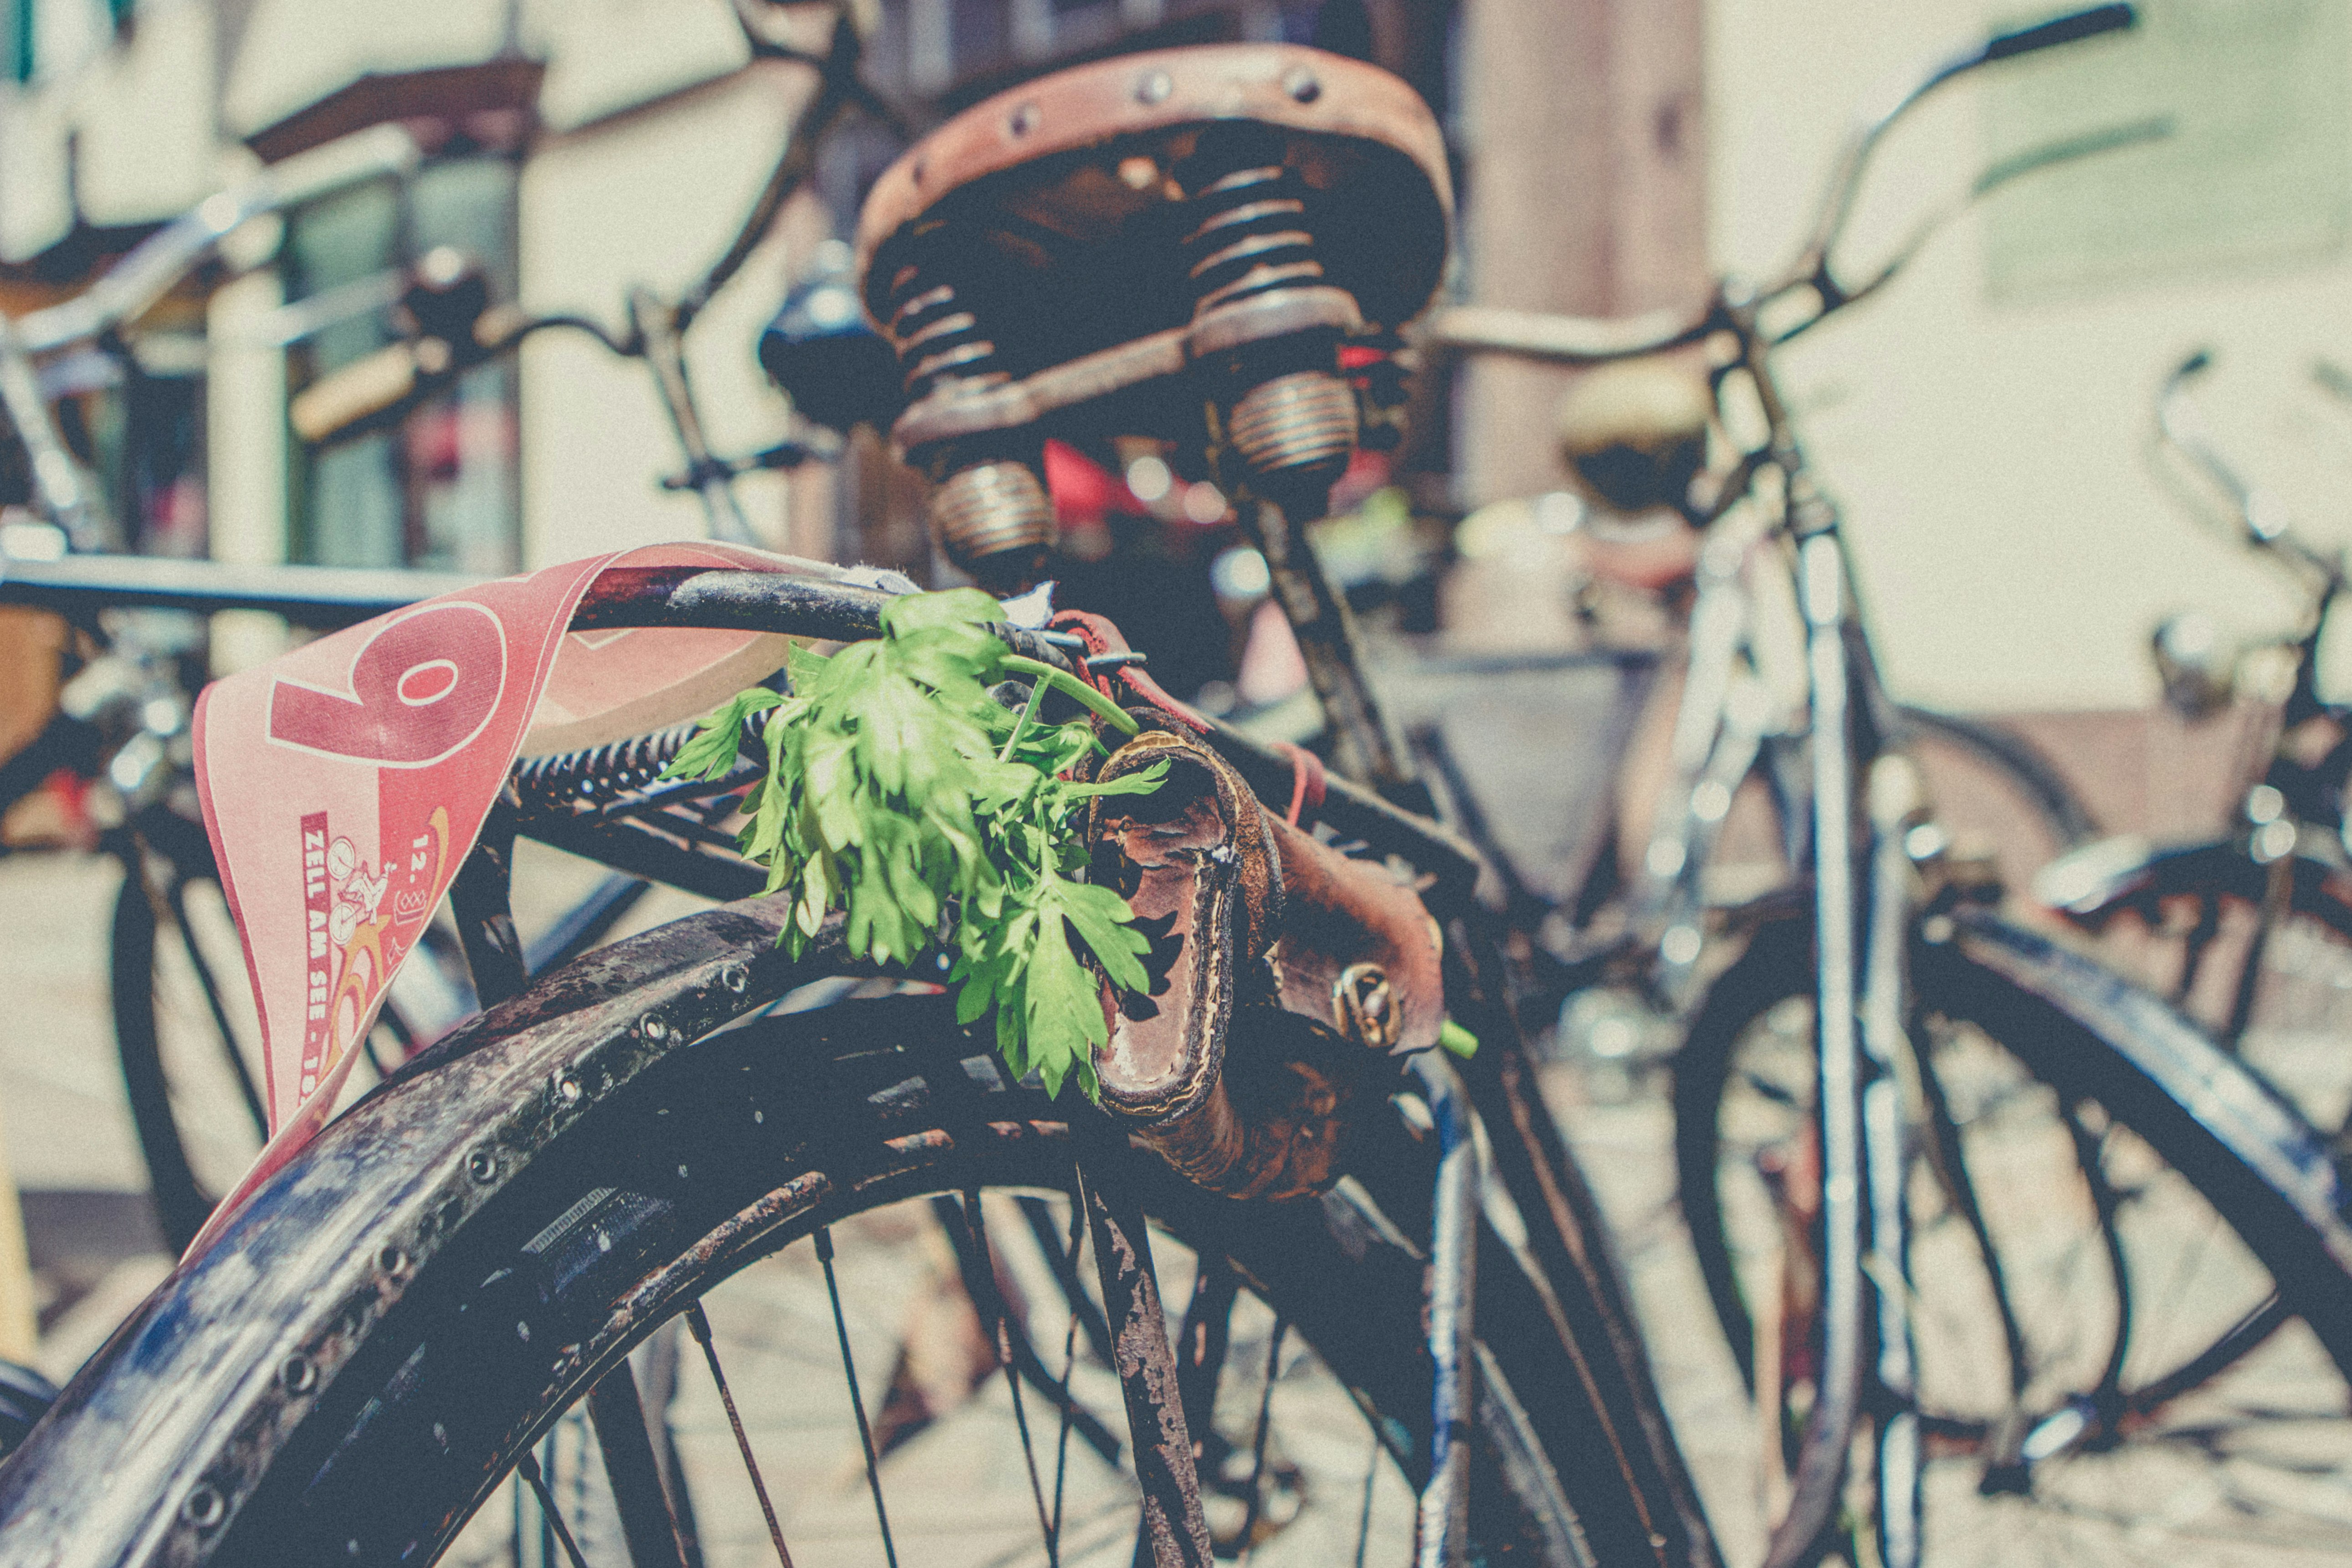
[
  {"x": 321, "y": 597},
  {"x": 158, "y": 262},
  {"x": 1562, "y": 339},
  {"x": 1591, "y": 341},
  {"x": 2181, "y": 426},
  {"x": 382, "y": 388}
]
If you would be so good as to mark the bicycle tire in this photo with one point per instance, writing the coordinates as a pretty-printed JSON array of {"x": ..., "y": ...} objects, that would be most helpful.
[
  {"x": 339, "y": 1375},
  {"x": 2061, "y": 1053},
  {"x": 180, "y": 1201}
]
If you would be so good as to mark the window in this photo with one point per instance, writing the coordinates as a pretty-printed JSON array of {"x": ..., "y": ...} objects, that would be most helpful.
[{"x": 440, "y": 490}]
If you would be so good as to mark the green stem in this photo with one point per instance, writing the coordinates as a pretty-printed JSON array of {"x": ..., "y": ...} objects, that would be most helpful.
[
  {"x": 1095, "y": 701},
  {"x": 1021, "y": 725}
]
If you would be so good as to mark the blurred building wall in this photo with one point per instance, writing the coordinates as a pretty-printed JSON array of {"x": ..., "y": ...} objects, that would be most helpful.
[
  {"x": 1582, "y": 132},
  {"x": 654, "y": 133},
  {"x": 1985, "y": 421}
]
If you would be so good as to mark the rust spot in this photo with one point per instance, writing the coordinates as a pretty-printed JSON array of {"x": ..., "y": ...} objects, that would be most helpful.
[{"x": 937, "y": 1140}]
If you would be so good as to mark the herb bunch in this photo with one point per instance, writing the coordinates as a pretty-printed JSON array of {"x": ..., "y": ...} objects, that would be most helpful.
[{"x": 899, "y": 791}]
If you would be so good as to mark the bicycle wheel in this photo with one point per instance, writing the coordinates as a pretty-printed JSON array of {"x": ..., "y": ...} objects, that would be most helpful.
[
  {"x": 2260, "y": 953},
  {"x": 2106, "y": 1373},
  {"x": 397, "y": 1318}
]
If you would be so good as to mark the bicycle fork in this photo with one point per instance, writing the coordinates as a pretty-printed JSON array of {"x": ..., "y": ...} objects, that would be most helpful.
[{"x": 1860, "y": 1005}]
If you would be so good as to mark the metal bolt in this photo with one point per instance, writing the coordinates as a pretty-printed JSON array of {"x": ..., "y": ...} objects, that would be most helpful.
[
  {"x": 482, "y": 1164},
  {"x": 391, "y": 1261},
  {"x": 1300, "y": 84},
  {"x": 567, "y": 1088},
  {"x": 1154, "y": 87},
  {"x": 736, "y": 978},
  {"x": 204, "y": 1507},
  {"x": 652, "y": 1028},
  {"x": 298, "y": 1374}
]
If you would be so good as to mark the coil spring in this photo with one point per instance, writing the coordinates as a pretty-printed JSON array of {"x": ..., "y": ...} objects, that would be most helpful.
[
  {"x": 992, "y": 515},
  {"x": 938, "y": 338},
  {"x": 594, "y": 775},
  {"x": 1254, "y": 236}
]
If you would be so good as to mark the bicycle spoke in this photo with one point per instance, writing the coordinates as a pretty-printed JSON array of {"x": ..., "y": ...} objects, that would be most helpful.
[
  {"x": 856, "y": 1400},
  {"x": 659, "y": 1392},
  {"x": 1201, "y": 1346},
  {"x": 1065, "y": 1261},
  {"x": 176, "y": 895},
  {"x": 699, "y": 1326},
  {"x": 1023, "y": 1355},
  {"x": 1070, "y": 1355},
  {"x": 979, "y": 1269},
  {"x": 1258, "y": 1444},
  {"x": 2090, "y": 1155},
  {"x": 528, "y": 1467},
  {"x": 647, "y": 1524}
]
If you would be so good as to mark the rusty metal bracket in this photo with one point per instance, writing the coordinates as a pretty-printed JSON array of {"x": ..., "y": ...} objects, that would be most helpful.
[
  {"x": 957, "y": 409},
  {"x": 1174, "y": 1530}
]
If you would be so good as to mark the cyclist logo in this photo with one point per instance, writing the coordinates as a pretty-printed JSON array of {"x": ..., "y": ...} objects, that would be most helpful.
[{"x": 358, "y": 893}]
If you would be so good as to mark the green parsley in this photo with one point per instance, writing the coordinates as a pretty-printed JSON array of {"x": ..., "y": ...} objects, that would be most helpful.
[{"x": 899, "y": 791}]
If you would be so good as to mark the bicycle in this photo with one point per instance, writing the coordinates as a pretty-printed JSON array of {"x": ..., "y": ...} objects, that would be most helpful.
[
  {"x": 2256, "y": 906},
  {"x": 1850, "y": 1081},
  {"x": 185, "y": 1045},
  {"x": 123, "y": 727},
  {"x": 1685, "y": 741}
]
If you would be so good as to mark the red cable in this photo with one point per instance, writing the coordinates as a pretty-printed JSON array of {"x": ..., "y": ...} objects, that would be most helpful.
[{"x": 1306, "y": 779}]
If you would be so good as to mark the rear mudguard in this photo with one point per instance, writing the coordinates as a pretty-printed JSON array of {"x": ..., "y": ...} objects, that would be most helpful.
[
  {"x": 2092, "y": 885},
  {"x": 2272, "y": 1172}
]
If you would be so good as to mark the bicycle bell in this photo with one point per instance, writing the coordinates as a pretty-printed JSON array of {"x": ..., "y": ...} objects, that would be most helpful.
[
  {"x": 2198, "y": 668},
  {"x": 836, "y": 369}
]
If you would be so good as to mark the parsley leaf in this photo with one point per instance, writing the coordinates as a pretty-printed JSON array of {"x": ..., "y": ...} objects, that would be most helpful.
[{"x": 901, "y": 792}]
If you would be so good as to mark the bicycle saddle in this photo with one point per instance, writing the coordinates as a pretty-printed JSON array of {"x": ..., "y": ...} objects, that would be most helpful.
[{"x": 1088, "y": 254}]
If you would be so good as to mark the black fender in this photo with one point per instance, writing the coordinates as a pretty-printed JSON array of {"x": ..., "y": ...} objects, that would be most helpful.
[
  {"x": 2092, "y": 885},
  {"x": 2248, "y": 1150}
]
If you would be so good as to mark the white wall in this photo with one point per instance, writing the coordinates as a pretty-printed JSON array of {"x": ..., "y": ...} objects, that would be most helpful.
[
  {"x": 649, "y": 198},
  {"x": 2014, "y": 546}
]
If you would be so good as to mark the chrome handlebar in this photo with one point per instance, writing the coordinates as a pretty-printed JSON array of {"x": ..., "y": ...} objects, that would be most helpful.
[{"x": 1592, "y": 341}]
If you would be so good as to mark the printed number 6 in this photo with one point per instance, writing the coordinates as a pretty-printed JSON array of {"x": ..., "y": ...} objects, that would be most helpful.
[{"x": 420, "y": 688}]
